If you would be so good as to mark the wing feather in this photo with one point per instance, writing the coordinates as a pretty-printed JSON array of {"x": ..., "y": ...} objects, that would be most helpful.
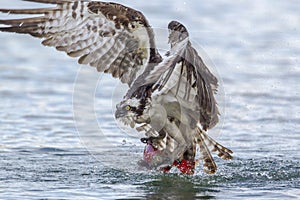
[
  {"x": 188, "y": 80},
  {"x": 109, "y": 36},
  {"x": 200, "y": 86},
  {"x": 209, "y": 164},
  {"x": 51, "y": 1},
  {"x": 29, "y": 11}
]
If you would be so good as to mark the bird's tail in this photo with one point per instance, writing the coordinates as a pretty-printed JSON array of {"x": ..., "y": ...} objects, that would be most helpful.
[{"x": 208, "y": 144}]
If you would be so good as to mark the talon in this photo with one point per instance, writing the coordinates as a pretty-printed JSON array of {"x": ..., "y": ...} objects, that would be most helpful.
[
  {"x": 144, "y": 140},
  {"x": 149, "y": 140}
]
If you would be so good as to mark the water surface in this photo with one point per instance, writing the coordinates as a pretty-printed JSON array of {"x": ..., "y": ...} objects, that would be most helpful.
[{"x": 46, "y": 152}]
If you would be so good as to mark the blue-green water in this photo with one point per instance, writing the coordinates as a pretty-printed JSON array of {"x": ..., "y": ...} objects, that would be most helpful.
[{"x": 253, "y": 45}]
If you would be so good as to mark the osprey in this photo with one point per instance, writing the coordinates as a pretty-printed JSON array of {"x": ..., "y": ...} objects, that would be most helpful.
[{"x": 171, "y": 98}]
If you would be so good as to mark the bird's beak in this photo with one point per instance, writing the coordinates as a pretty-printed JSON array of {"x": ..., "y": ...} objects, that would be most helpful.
[{"x": 120, "y": 113}]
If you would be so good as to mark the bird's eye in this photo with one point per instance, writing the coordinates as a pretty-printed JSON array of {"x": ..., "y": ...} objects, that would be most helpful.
[{"x": 128, "y": 108}]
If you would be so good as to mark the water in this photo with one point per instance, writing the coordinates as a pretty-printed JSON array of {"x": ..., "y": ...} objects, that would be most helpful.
[{"x": 253, "y": 45}]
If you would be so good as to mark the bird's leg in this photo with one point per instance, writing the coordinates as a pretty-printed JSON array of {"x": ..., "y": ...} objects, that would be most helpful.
[
  {"x": 158, "y": 142},
  {"x": 153, "y": 137},
  {"x": 165, "y": 136},
  {"x": 170, "y": 146},
  {"x": 179, "y": 143}
]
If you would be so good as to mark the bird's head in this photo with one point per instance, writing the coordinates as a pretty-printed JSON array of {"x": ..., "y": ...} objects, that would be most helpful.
[
  {"x": 132, "y": 110},
  {"x": 177, "y": 33}
]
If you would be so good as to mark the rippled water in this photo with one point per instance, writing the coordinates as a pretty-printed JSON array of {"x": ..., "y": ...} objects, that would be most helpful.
[{"x": 253, "y": 45}]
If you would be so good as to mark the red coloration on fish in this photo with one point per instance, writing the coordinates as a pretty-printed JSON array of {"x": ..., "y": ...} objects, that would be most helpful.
[
  {"x": 149, "y": 152},
  {"x": 185, "y": 166}
]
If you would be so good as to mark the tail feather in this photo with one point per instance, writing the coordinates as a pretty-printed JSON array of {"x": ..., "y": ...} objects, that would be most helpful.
[
  {"x": 223, "y": 152},
  {"x": 209, "y": 164},
  {"x": 208, "y": 144}
]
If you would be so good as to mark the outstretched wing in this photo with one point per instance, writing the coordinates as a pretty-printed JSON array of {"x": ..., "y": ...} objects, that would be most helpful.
[{"x": 111, "y": 37}]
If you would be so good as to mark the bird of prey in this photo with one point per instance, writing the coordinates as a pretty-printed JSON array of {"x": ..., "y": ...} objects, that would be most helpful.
[{"x": 170, "y": 98}]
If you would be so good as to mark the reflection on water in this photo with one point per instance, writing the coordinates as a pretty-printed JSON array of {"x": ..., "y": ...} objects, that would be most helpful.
[
  {"x": 254, "y": 46},
  {"x": 178, "y": 187}
]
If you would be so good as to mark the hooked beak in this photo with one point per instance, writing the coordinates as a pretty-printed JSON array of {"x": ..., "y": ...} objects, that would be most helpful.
[{"x": 120, "y": 113}]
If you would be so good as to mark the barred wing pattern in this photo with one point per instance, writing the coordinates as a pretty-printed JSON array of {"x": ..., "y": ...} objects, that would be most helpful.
[
  {"x": 111, "y": 37},
  {"x": 191, "y": 83}
]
